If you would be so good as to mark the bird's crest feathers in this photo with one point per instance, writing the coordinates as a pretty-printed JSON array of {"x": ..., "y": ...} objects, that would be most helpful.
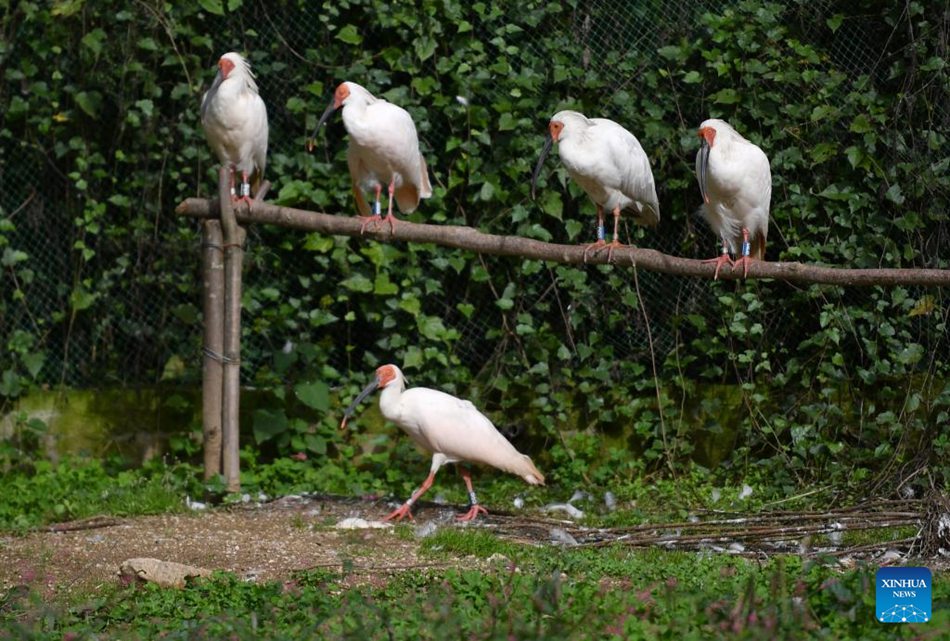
[{"x": 242, "y": 68}]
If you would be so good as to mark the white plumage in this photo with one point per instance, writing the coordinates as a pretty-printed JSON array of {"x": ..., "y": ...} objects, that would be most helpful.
[
  {"x": 736, "y": 184},
  {"x": 234, "y": 119},
  {"x": 383, "y": 150},
  {"x": 449, "y": 427},
  {"x": 608, "y": 163}
]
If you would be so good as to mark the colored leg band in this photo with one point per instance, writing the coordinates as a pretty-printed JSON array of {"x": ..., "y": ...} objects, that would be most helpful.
[
  {"x": 601, "y": 233},
  {"x": 377, "y": 208},
  {"x": 246, "y": 189},
  {"x": 745, "y": 248},
  {"x": 472, "y": 499}
]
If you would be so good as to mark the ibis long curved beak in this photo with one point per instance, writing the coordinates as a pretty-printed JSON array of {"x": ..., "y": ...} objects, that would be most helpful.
[
  {"x": 703, "y": 165},
  {"x": 311, "y": 142},
  {"x": 537, "y": 168},
  {"x": 369, "y": 389}
]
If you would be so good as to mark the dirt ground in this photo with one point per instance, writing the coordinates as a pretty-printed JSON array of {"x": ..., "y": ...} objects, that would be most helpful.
[
  {"x": 261, "y": 543},
  {"x": 272, "y": 540}
]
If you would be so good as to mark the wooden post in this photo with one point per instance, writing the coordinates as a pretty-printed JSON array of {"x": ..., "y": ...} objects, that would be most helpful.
[
  {"x": 212, "y": 255},
  {"x": 233, "y": 262}
]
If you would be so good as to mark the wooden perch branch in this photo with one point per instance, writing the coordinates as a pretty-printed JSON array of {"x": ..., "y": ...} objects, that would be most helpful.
[{"x": 473, "y": 240}]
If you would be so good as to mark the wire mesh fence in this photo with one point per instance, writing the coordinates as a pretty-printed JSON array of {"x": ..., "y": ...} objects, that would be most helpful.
[{"x": 139, "y": 345}]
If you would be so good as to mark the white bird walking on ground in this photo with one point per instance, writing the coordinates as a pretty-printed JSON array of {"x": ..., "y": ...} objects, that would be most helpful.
[
  {"x": 234, "y": 119},
  {"x": 384, "y": 149},
  {"x": 609, "y": 164},
  {"x": 736, "y": 184},
  {"x": 449, "y": 427}
]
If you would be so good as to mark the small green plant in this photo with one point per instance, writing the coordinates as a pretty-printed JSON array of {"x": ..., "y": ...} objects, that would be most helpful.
[{"x": 543, "y": 594}]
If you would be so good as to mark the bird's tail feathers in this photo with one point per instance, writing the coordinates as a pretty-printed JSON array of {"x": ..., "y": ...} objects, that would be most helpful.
[
  {"x": 758, "y": 247},
  {"x": 425, "y": 189},
  {"x": 529, "y": 472},
  {"x": 256, "y": 179},
  {"x": 361, "y": 203},
  {"x": 407, "y": 197},
  {"x": 647, "y": 214}
]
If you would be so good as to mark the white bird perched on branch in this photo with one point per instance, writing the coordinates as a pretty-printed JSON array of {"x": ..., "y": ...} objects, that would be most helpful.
[
  {"x": 736, "y": 184},
  {"x": 384, "y": 149},
  {"x": 449, "y": 427},
  {"x": 235, "y": 122},
  {"x": 609, "y": 164}
]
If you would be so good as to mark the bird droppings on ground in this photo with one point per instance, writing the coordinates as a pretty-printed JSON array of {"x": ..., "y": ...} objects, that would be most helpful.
[
  {"x": 569, "y": 509},
  {"x": 426, "y": 529},
  {"x": 195, "y": 505},
  {"x": 562, "y": 536},
  {"x": 356, "y": 523},
  {"x": 579, "y": 495}
]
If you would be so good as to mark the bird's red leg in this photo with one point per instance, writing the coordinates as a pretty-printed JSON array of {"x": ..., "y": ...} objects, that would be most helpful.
[
  {"x": 389, "y": 210},
  {"x": 746, "y": 259},
  {"x": 720, "y": 260},
  {"x": 475, "y": 508},
  {"x": 233, "y": 192},
  {"x": 405, "y": 509},
  {"x": 616, "y": 241},
  {"x": 599, "y": 244},
  {"x": 374, "y": 217}
]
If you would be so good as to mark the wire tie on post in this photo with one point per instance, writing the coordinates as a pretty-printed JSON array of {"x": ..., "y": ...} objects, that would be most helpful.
[{"x": 221, "y": 358}]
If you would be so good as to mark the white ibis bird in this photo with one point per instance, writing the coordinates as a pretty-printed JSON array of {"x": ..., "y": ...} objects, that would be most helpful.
[
  {"x": 235, "y": 122},
  {"x": 449, "y": 427},
  {"x": 609, "y": 164},
  {"x": 736, "y": 184},
  {"x": 384, "y": 149}
]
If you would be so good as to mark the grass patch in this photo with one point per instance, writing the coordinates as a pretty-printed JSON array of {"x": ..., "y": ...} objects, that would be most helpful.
[
  {"x": 455, "y": 542},
  {"x": 75, "y": 489},
  {"x": 548, "y": 594}
]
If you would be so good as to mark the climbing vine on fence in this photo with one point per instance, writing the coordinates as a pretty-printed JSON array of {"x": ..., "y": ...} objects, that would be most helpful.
[{"x": 100, "y": 139}]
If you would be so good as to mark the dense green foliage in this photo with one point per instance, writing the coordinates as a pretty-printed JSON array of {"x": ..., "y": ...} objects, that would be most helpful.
[
  {"x": 47, "y": 493},
  {"x": 100, "y": 139},
  {"x": 536, "y": 595}
]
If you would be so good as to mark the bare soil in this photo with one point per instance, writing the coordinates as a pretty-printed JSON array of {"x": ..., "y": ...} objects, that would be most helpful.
[{"x": 260, "y": 543}]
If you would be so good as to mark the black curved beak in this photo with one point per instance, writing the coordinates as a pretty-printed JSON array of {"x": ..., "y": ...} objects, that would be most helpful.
[
  {"x": 703, "y": 164},
  {"x": 311, "y": 142},
  {"x": 537, "y": 168},
  {"x": 369, "y": 389}
]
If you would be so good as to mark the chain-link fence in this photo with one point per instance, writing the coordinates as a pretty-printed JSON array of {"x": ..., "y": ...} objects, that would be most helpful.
[{"x": 38, "y": 196}]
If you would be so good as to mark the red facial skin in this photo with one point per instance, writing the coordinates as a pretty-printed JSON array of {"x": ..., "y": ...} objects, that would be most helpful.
[
  {"x": 342, "y": 93},
  {"x": 226, "y": 67},
  {"x": 386, "y": 375}
]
